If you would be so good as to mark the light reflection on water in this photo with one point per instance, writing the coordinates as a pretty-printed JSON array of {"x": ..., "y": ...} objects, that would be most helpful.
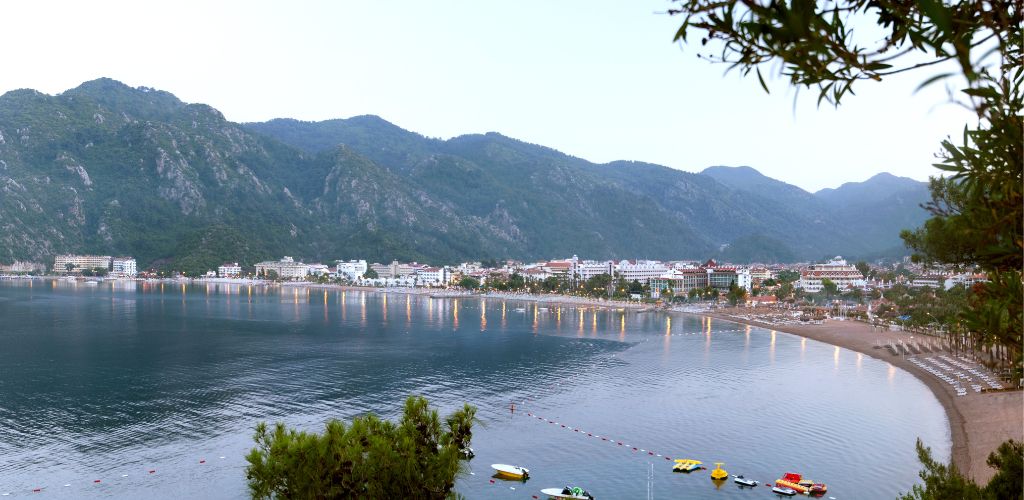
[{"x": 116, "y": 379}]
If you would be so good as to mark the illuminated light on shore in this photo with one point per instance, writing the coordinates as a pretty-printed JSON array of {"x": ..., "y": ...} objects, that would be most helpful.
[{"x": 835, "y": 356}]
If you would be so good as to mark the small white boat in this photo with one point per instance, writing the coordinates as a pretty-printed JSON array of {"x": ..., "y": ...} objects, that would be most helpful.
[
  {"x": 511, "y": 471},
  {"x": 742, "y": 481},
  {"x": 567, "y": 493},
  {"x": 782, "y": 490}
]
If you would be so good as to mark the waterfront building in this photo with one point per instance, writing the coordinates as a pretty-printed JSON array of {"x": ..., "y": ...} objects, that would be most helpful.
[
  {"x": 561, "y": 269},
  {"x": 640, "y": 270},
  {"x": 433, "y": 276},
  {"x": 318, "y": 269},
  {"x": 350, "y": 270},
  {"x": 124, "y": 267},
  {"x": 842, "y": 274},
  {"x": 534, "y": 274},
  {"x": 681, "y": 280},
  {"x": 80, "y": 262},
  {"x": 229, "y": 270},
  {"x": 383, "y": 270},
  {"x": 286, "y": 268},
  {"x": 586, "y": 269},
  {"x": 393, "y": 270}
]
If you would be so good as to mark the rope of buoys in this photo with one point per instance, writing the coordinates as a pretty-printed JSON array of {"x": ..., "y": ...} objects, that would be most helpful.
[{"x": 597, "y": 436}]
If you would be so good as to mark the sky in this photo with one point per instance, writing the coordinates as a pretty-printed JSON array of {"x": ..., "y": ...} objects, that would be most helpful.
[{"x": 601, "y": 80}]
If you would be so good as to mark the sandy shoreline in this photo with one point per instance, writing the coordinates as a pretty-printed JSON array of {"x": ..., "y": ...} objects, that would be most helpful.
[{"x": 978, "y": 422}]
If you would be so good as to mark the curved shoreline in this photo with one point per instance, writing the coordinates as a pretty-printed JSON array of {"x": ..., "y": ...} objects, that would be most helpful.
[
  {"x": 989, "y": 417},
  {"x": 978, "y": 423}
]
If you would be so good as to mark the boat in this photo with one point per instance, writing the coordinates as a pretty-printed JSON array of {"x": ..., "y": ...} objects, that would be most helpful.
[
  {"x": 801, "y": 484},
  {"x": 687, "y": 465},
  {"x": 568, "y": 493},
  {"x": 742, "y": 481},
  {"x": 812, "y": 487},
  {"x": 505, "y": 471},
  {"x": 718, "y": 473},
  {"x": 782, "y": 490}
]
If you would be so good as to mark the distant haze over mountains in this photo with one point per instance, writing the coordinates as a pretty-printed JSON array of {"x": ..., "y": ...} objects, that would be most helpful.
[{"x": 105, "y": 168}]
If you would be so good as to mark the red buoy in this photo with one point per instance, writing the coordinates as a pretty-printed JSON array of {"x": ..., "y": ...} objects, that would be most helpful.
[
  {"x": 152, "y": 471},
  {"x": 202, "y": 461},
  {"x": 96, "y": 480}
]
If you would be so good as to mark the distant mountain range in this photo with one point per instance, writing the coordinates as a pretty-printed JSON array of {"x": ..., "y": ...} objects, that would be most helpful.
[{"x": 106, "y": 168}]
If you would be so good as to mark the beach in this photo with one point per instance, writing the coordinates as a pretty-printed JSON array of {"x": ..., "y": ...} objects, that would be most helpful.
[{"x": 978, "y": 422}]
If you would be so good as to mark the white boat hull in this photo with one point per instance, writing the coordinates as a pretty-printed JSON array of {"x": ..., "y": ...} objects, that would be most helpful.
[{"x": 557, "y": 493}]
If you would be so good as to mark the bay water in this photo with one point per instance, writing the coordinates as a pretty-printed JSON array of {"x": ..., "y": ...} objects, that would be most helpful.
[{"x": 154, "y": 389}]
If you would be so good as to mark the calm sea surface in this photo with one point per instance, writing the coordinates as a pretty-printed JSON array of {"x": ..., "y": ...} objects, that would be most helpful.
[{"x": 109, "y": 382}]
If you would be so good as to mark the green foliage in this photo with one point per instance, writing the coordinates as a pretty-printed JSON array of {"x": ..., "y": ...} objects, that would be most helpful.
[
  {"x": 758, "y": 248},
  {"x": 785, "y": 291},
  {"x": 787, "y": 276},
  {"x": 100, "y": 271},
  {"x": 863, "y": 267},
  {"x": 469, "y": 283},
  {"x": 829, "y": 287},
  {"x": 419, "y": 457},
  {"x": 207, "y": 248},
  {"x": 945, "y": 482},
  {"x": 977, "y": 208},
  {"x": 370, "y": 274},
  {"x": 736, "y": 294},
  {"x": 941, "y": 481},
  {"x": 1008, "y": 461}
]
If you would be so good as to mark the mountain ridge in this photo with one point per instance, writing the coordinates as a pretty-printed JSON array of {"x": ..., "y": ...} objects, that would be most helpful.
[{"x": 108, "y": 168}]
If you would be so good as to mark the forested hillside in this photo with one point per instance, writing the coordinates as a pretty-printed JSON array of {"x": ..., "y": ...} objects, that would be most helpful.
[{"x": 106, "y": 168}]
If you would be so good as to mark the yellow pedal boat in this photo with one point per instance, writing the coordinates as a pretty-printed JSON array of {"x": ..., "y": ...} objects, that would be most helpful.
[{"x": 687, "y": 465}]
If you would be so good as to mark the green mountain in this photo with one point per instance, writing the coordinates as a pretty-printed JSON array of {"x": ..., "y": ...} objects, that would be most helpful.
[
  {"x": 106, "y": 168},
  {"x": 873, "y": 211}
]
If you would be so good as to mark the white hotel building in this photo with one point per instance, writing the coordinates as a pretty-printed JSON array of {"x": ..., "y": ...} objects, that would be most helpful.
[
  {"x": 350, "y": 270},
  {"x": 229, "y": 270},
  {"x": 124, "y": 267},
  {"x": 640, "y": 270},
  {"x": 80, "y": 262},
  {"x": 433, "y": 276},
  {"x": 285, "y": 268},
  {"x": 837, "y": 270}
]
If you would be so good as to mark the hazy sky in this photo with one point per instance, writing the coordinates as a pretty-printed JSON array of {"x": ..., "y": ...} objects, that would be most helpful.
[{"x": 595, "y": 79}]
